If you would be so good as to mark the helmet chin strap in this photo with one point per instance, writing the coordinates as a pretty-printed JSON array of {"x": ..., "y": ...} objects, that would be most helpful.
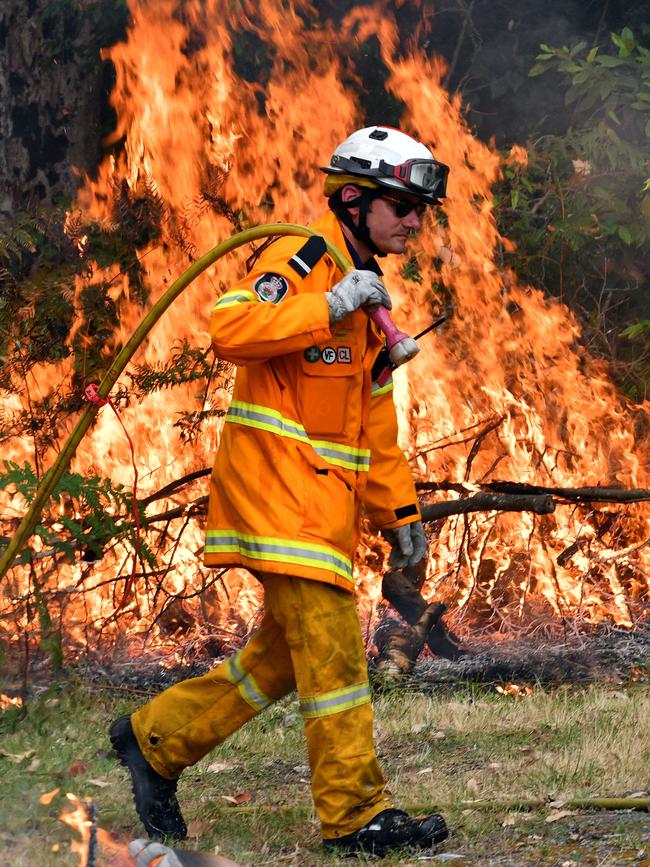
[{"x": 359, "y": 230}]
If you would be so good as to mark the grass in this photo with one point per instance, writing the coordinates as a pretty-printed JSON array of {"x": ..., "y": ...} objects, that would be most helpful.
[{"x": 250, "y": 799}]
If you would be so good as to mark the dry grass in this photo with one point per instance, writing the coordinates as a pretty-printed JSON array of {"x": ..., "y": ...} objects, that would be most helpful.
[{"x": 437, "y": 750}]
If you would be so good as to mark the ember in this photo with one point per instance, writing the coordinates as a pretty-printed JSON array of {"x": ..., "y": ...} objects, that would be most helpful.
[
  {"x": 516, "y": 690},
  {"x": 503, "y": 384}
]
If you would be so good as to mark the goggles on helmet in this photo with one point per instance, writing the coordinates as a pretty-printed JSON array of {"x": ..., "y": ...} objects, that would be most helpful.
[
  {"x": 424, "y": 176},
  {"x": 429, "y": 176}
]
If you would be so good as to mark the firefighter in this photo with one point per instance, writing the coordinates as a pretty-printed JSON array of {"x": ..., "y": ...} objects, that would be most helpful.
[{"x": 309, "y": 439}]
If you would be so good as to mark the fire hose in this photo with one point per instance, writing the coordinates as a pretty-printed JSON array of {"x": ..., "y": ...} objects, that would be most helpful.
[{"x": 401, "y": 348}]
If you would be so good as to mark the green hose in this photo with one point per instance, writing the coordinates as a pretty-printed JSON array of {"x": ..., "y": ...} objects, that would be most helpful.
[{"x": 53, "y": 475}]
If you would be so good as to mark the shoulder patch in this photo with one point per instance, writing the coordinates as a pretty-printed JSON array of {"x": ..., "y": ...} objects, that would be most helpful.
[
  {"x": 308, "y": 255},
  {"x": 271, "y": 287}
]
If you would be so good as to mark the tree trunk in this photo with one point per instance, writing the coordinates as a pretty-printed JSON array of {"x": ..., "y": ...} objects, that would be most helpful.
[{"x": 52, "y": 95}]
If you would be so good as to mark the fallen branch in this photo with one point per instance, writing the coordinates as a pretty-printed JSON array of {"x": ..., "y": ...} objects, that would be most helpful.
[
  {"x": 541, "y": 505},
  {"x": 583, "y": 494}
]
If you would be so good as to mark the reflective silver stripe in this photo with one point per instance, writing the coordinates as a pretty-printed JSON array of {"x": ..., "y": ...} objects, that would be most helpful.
[
  {"x": 278, "y": 550},
  {"x": 248, "y": 688},
  {"x": 337, "y": 701},
  {"x": 343, "y": 456},
  {"x": 377, "y": 389},
  {"x": 265, "y": 418},
  {"x": 229, "y": 299},
  {"x": 304, "y": 267}
]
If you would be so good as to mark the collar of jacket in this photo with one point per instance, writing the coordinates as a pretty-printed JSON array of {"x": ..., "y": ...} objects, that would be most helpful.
[{"x": 371, "y": 265}]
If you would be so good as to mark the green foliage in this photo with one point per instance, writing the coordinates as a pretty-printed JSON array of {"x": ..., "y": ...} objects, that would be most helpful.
[
  {"x": 609, "y": 142},
  {"x": 639, "y": 329},
  {"x": 85, "y": 513},
  {"x": 19, "y": 236},
  {"x": 187, "y": 363},
  {"x": 84, "y": 516},
  {"x": 45, "y": 253},
  {"x": 580, "y": 210}
]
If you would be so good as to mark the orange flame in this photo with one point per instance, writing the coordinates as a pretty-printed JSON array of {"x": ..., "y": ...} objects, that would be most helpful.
[{"x": 78, "y": 819}]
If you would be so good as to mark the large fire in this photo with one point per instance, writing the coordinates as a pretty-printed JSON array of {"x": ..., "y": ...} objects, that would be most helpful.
[{"x": 220, "y": 151}]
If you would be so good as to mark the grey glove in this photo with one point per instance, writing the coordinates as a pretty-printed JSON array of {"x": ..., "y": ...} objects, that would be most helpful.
[
  {"x": 409, "y": 545},
  {"x": 145, "y": 852},
  {"x": 356, "y": 289}
]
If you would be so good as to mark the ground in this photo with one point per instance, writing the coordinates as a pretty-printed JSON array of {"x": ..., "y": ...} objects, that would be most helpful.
[{"x": 442, "y": 746}]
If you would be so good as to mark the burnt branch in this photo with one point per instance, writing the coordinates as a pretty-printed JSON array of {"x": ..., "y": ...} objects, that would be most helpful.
[
  {"x": 577, "y": 495},
  {"x": 175, "y": 485},
  {"x": 399, "y": 645},
  {"x": 476, "y": 445},
  {"x": 197, "y": 507},
  {"x": 403, "y": 594},
  {"x": 483, "y": 502},
  {"x": 583, "y": 495}
]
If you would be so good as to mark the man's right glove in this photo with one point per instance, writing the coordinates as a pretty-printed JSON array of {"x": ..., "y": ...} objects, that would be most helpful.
[{"x": 356, "y": 289}]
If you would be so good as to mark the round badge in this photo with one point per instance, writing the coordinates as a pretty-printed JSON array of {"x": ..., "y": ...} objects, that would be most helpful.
[
  {"x": 329, "y": 355},
  {"x": 271, "y": 287},
  {"x": 312, "y": 354}
]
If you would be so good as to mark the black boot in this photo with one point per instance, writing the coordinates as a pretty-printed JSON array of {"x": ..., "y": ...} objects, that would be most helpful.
[
  {"x": 155, "y": 797},
  {"x": 392, "y": 829}
]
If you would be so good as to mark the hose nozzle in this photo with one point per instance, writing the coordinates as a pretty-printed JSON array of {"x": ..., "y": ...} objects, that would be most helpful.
[{"x": 401, "y": 348}]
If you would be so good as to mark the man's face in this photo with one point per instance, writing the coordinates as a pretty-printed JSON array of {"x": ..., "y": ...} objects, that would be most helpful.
[{"x": 389, "y": 231}]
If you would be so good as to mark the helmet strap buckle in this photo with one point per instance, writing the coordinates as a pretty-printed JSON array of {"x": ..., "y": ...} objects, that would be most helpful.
[{"x": 360, "y": 228}]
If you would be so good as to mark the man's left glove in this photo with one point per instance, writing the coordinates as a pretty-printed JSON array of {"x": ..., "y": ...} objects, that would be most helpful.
[
  {"x": 148, "y": 853},
  {"x": 145, "y": 853},
  {"x": 409, "y": 545}
]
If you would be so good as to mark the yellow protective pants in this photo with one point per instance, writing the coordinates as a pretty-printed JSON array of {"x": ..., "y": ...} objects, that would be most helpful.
[{"x": 310, "y": 639}]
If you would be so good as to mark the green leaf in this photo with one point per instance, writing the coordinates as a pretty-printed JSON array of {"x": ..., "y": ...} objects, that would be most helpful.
[
  {"x": 647, "y": 129},
  {"x": 609, "y": 61},
  {"x": 628, "y": 38},
  {"x": 571, "y": 95},
  {"x": 577, "y": 48},
  {"x": 537, "y": 69},
  {"x": 592, "y": 54},
  {"x": 624, "y": 234},
  {"x": 514, "y": 199},
  {"x": 637, "y": 329},
  {"x": 612, "y": 115}
]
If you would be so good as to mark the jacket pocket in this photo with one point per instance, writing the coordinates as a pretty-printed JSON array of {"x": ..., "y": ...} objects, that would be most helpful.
[
  {"x": 330, "y": 513},
  {"x": 329, "y": 389}
]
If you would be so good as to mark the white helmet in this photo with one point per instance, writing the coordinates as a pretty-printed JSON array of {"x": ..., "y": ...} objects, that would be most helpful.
[{"x": 391, "y": 159}]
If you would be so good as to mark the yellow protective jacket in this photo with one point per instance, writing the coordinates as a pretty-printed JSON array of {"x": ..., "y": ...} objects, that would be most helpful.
[{"x": 308, "y": 437}]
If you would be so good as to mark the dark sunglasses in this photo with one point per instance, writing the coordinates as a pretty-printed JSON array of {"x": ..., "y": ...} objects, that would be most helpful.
[{"x": 403, "y": 207}]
